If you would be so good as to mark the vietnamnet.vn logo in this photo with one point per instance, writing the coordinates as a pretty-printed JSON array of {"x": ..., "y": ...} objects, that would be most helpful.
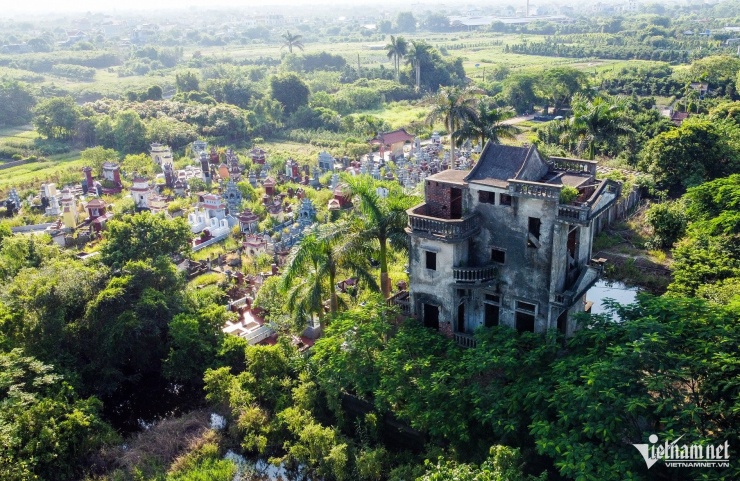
[{"x": 684, "y": 455}]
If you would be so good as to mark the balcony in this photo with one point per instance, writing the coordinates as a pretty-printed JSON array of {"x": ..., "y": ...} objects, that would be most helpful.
[
  {"x": 465, "y": 340},
  {"x": 443, "y": 229},
  {"x": 474, "y": 275},
  {"x": 401, "y": 299},
  {"x": 573, "y": 213}
]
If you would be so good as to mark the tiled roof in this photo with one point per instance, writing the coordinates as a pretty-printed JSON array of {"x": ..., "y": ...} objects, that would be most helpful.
[
  {"x": 390, "y": 138},
  {"x": 500, "y": 162}
]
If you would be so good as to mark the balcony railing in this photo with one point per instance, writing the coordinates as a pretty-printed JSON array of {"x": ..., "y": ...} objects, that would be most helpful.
[
  {"x": 523, "y": 188},
  {"x": 474, "y": 275},
  {"x": 401, "y": 299},
  {"x": 573, "y": 213},
  {"x": 465, "y": 340},
  {"x": 443, "y": 228}
]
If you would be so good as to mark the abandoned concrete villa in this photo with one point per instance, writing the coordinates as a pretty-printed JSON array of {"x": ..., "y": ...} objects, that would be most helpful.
[{"x": 496, "y": 245}]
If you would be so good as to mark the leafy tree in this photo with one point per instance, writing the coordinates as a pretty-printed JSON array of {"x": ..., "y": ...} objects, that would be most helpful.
[
  {"x": 649, "y": 372},
  {"x": 47, "y": 431},
  {"x": 520, "y": 91},
  {"x": 415, "y": 55},
  {"x": 187, "y": 82},
  {"x": 56, "y": 118},
  {"x": 144, "y": 236},
  {"x": 560, "y": 84},
  {"x": 313, "y": 266},
  {"x": 129, "y": 132},
  {"x": 139, "y": 164},
  {"x": 292, "y": 40},
  {"x": 42, "y": 302},
  {"x": 668, "y": 221},
  {"x": 436, "y": 22},
  {"x": 153, "y": 93},
  {"x": 406, "y": 22},
  {"x": 597, "y": 121},
  {"x": 290, "y": 91},
  {"x": 503, "y": 464},
  {"x": 455, "y": 107},
  {"x": 16, "y": 103},
  {"x": 488, "y": 125},
  {"x": 715, "y": 69},
  {"x": 696, "y": 152},
  {"x": 95, "y": 157},
  {"x": 707, "y": 260},
  {"x": 383, "y": 220},
  {"x": 194, "y": 342},
  {"x": 396, "y": 50}
]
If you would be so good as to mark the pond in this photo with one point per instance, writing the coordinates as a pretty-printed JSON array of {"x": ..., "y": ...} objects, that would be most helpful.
[{"x": 605, "y": 289}]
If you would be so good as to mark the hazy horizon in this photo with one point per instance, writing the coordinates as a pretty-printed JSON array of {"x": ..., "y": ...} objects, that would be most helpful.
[{"x": 42, "y": 7}]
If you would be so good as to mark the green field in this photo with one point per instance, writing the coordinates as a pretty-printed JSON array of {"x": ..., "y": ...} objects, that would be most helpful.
[{"x": 59, "y": 168}]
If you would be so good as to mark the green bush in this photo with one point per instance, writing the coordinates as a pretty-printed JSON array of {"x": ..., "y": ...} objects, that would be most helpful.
[
  {"x": 568, "y": 194},
  {"x": 668, "y": 222}
]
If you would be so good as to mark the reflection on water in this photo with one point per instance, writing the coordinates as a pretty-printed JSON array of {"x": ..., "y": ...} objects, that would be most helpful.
[{"x": 604, "y": 289}]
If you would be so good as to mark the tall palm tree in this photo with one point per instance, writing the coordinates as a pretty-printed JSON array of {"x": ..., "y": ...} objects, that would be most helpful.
[
  {"x": 488, "y": 125},
  {"x": 455, "y": 106},
  {"x": 415, "y": 54},
  {"x": 383, "y": 220},
  {"x": 396, "y": 51},
  {"x": 292, "y": 41},
  {"x": 311, "y": 271},
  {"x": 597, "y": 120}
]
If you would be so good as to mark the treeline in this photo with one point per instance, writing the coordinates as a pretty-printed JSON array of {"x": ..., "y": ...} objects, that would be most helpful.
[
  {"x": 45, "y": 62},
  {"x": 549, "y": 49}
]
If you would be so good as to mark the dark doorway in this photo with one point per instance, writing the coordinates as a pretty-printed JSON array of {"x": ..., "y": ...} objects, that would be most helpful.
[
  {"x": 563, "y": 323},
  {"x": 455, "y": 203},
  {"x": 431, "y": 316},
  {"x": 461, "y": 318},
  {"x": 491, "y": 315}
]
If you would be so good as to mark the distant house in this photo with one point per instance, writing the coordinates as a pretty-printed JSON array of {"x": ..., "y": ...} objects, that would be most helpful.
[
  {"x": 678, "y": 117},
  {"x": 15, "y": 48},
  {"x": 392, "y": 141},
  {"x": 701, "y": 87}
]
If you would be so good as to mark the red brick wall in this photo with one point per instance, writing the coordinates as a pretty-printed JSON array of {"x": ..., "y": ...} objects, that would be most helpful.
[{"x": 438, "y": 199}]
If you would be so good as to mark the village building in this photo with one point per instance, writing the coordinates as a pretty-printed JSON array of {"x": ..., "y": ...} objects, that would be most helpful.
[
  {"x": 392, "y": 142},
  {"x": 496, "y": 246}
]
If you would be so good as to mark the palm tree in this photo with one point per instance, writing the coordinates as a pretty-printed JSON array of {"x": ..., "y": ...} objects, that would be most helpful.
[
  {"x": 598, "y": 120},
  {"x": 383, "y": 220},
  {"x": 455, "y": 106},
  {"x": 313, "y": 266},
  {"x": 396, "y": 51},
  {"x": 488, "y": 125},
  {"x": 414, "y": 56},
  {"x": 292, "y": 41}
]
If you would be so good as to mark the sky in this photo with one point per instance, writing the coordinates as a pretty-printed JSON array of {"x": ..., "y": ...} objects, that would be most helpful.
[{"x": 49, "y": 6}]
